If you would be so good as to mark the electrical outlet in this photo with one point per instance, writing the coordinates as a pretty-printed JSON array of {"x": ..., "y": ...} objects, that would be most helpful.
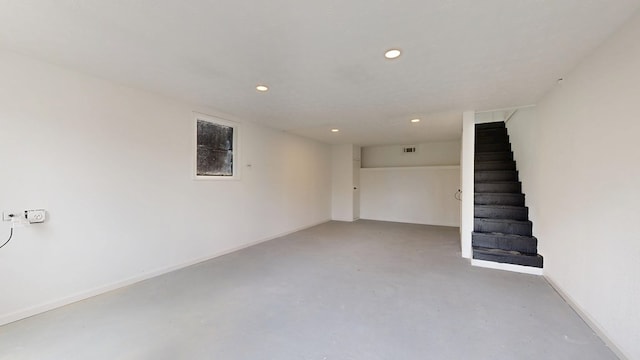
[{"x": 35, "y": 216}]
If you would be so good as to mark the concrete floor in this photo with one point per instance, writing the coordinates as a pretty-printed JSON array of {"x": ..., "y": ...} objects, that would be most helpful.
[{"x": 364, "y": 290}]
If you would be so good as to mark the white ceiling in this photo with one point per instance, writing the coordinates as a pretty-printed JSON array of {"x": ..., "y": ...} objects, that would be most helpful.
[{"x": 323, "y": 59}]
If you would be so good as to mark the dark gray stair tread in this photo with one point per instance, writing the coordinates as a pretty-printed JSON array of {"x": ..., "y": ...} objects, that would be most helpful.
[
  {"x": 497, "y": 187},
  {"x": 492, "y": 147},
  {"x": 508, "y": 207},
  {"x": 501, "y": 212},
  {"x": 497, "y": 182},
  {"x": 506, "y": 221},
  {"x": 508, "y": 257},
  {"x": 497, "y": 175},
  {"x": 493, "y": 162},
  {"x": 504, "y": 226},
  {"x": 499, "y": 207},
  {"x": 495, "y": 172},
  {"x": 508, "y": 242},
  {"x": 495, "y": 165},
  {"x": 491, "y": 132},
  {"x": 500, "y": 146},
  {"x": 491, "y": 125},
  {"x": 492, "y": 139},
  {"x": 514, "y": 195},
  {"x": 513, "y": 199},
  {"x": 494, "y": 131},
  {"x": 494, "y": 155},
  {"x": 497, "y": 195},
  {"x": 482, "y": 127},
  {"x": 500, "y": 133},
  {"x": 497, "y": 133}
]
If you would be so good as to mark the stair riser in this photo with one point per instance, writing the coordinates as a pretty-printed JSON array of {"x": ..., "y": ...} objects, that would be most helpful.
[
  {"x": 534, "y": 261},
  {"x": 502, "y": 155},
  {"x": 495, "y": 131},
  {"x": 499, "y": 175},
  {"x": 503, "y": 165},
  {"x": 521, "y": 213},
  {"x": 483, "y": 226},
  {"x": 491, "y": 125},
  {"x": 498, "y": 199},
  {"x": 490, "y": 139},
  {"x": 512, "y": 187},
  {"x": 493, "y": 147},
  {"x": 527, "y": 245},
  {"x": 491, "y": 132}
]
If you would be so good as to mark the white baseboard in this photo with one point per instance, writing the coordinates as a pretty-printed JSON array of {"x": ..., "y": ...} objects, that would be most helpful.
[
  {"x": 38, "y": 309},
  {"x": 589, "y": 320},
  {"x": 410, "y": 222},
  {"x": 508, "y": 267}
]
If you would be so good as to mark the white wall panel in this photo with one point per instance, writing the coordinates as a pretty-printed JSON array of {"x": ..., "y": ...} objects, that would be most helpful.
[{"x": 421, "y": 195}]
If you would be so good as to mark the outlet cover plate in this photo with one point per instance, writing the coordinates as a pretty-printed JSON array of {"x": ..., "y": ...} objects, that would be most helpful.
[{"x": 36, "y": 216}]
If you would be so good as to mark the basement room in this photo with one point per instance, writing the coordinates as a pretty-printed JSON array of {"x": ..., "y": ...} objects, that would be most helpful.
[{"x": 440, "y": 179}]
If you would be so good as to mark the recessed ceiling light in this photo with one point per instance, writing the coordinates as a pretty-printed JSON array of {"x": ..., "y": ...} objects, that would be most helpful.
[
  {"x": 335, "y": 130},
  {"x": 392, "y": 53},
  {"x": 415, "y": 120},
  {"x": 262, "y": 88}
]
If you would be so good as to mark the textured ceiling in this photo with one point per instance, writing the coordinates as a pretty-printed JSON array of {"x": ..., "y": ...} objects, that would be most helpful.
[{"x": 323, "y": 59}]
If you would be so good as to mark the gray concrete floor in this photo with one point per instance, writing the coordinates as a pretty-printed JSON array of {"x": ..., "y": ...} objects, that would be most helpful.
[{"x": 364, "y": 290}]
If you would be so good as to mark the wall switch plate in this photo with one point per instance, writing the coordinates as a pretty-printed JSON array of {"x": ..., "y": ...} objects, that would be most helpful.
[{"x": 35, "y": 216}]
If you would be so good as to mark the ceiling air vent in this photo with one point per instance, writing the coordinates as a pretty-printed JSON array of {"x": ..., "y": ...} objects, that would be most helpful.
[{"x": 409, "y": 149}]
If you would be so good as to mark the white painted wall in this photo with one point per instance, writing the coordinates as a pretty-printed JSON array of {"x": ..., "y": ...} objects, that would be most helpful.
[
  {"x": 579, "y": 161},
  {"x": 344, "y": 205},
  {"x": 356, "y": 188},
  {"x": 412, "y": 187},
  {"x": 467, "y": 167},
  {"x": 113, "y": 166},
  {"x": 356, "y": 162},
  {"x": 428, "y": 154},
  {"x": 420, "y": 195},
  {"x": 524, "y": 144},
  {"x": 342, "y": 177}
]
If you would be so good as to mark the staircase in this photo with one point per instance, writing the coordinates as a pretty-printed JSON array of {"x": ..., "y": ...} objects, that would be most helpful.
[{"x": 501, "y": 229}]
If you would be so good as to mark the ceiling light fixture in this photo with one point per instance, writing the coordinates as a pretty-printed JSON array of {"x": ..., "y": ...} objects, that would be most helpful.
[
  {"x": 415, "y": 120},
  {"x": 262, "y": 88},
  {"x": 392, "y": 53},
  {"x": 335, "y": 130}
]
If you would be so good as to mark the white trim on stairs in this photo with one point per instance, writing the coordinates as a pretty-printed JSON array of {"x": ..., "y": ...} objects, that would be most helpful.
[{"x": 508, "y": 267}]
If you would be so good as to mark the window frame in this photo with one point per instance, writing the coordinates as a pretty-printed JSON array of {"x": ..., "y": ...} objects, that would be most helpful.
[{"x": 235, "y": 168}]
